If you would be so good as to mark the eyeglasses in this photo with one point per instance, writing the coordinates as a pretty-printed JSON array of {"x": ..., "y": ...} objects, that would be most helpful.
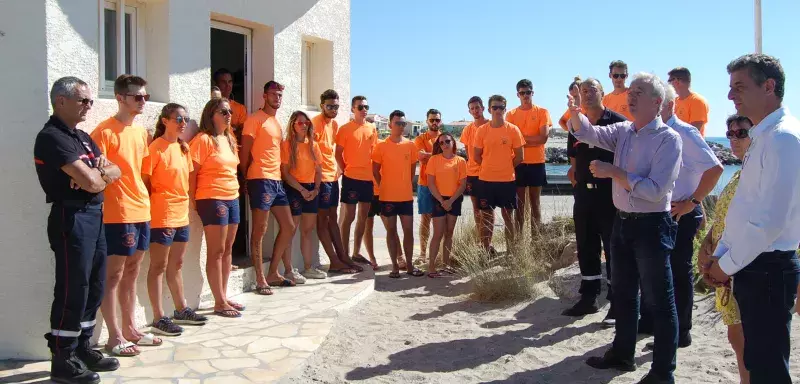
[
  {"x": 139, "y": 98},
  {"x": 363, "y": 107},
  {"x": 435, "y": 120},
  {"x": 303, "y": 123},
  {"x": 445, "y": 142},
  {"x": 86, "y": 102},
  {"x": 498, "y": 107},
  {"x": 620, "y": 75},
  {"x": 401, "y": 123},
  {"x": 225, "y": 112},
  {"x": 332, "y": 107},
  {"x": 181, "y": 119},
  {"x": 741, "y": 133},
  {"x": 525, "y": 93}
]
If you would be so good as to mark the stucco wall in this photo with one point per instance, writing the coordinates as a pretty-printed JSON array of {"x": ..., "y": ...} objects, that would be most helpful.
[{"x": 43, "y": 40}]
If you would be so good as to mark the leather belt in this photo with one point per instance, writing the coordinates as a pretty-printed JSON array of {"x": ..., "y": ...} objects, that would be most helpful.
[{"x": 638, "y": 215}]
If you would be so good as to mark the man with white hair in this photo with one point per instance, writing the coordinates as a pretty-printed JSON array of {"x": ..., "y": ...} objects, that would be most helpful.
[
  {"x": 647, "y": 157},
  {"x": 700, "y": 171}
]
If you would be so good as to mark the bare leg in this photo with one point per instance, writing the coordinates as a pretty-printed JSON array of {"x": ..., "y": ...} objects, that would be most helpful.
[
  {"x": 216, "y": 237},
  {"x": 424, "y": 236},
  {"x": 391, "y": 240},
  {"x": 174, "y": 275},
  {"x": 448, "y": 238},
  {"x": 127, "y": 295},
  {"x": 361, "y": 226},
  {"x": 522, "y": 209},
  {"x": 287, "y": 254},
  {"x": 333, "y": 227},
  {"x": 283, "y": 215},
  {"x": 510, "y": 227},
  {"x": 328, "y": 234},
  {"x": 368, "y": 238},
  {"x": 476, "y": 213},
  {"x": 534, "y": 195},
  {"x": 227, "y": 258},
  {"x": 114, "y": 267},
  {"x": 486, "y": 226},
  {"x": 736, "y": 338},
  {"x": 159, "y": 254},
  {"x": 260, "y": 223},
  {"x": 438, "y": 232},
  {"x": 348, "y": 216},
  {"x": 408, "y": 239},
  {"x": 307, "y": 223}
]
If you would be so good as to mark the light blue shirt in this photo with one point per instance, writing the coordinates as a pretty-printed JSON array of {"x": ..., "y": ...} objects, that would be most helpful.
[
  {"x": 696, "y": 158},
  {"x": 651, "y": 156},
  {"x": 764, "y": 214}
]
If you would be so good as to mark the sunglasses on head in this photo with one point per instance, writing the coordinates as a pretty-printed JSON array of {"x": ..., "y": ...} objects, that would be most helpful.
[
  {"x": 445, "y": 142},
  {"x": 525, "y": 93},
  {"x": 225, "y": 112},
  {"x": 435, "y": 120},
  {"x": 139, "y": 98},
  {"x": 86, "y": 102},
  {"x": 619, "y": 75},
  {"x": 332, "y": 107},
  {"x": 741, "y": 133},
  {"x": 498, "y": 107},
  {"x": 363, "y": 107},
  {"x": 181, "y": 119}
]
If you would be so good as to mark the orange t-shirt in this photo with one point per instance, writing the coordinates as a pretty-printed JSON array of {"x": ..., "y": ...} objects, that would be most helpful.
[
  {"x": 468, "y": 138},
  {"x": 566, "y": 116},
  {"x": 691, "y": 109},
  {"x": 216, "y": 174},
  {"x": 396, "y": 160},
  {"x": 265, "y": 153},
  {"x": 168, "y": 168},
  {"x": 127, "y": 200},
  {"x": 238, "y": 113},
  {"x": 618, "y": 102},
  {"x": 530, "y": 123},
  {"x": 448, "y": 173},
  {"x": 305, "y": 167},
  {"x": 358, "y": 142},
  {"x": 424, "y": 142},
  {"x": 498, "y": 146},
  {"x": 325, "y": 135}
]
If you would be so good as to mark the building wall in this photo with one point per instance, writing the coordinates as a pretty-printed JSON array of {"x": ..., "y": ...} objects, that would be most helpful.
[{"x": 54, "y": 38}]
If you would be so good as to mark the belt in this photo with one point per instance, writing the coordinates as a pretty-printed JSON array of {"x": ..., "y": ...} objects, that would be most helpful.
[
  {"x": 591, "y": 186},
  {"x": 75, "y": 204},
  {"x": 638, "y": 215}
]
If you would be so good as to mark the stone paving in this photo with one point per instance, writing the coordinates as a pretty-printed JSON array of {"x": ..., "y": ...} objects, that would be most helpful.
[{"x": 274, "y": 336}]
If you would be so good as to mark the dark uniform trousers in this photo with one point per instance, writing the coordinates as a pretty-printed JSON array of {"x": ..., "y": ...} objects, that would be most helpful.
[
  {"x": 593, "y": 212},
  {"x": 78, "y": 240}
]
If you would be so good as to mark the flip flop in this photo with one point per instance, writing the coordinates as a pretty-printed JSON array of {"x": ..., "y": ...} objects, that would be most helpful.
[
  {"x": 343, "y": 271},
  {"x": 394, "y": 275},
  {"x": 263, "y": 291},
  {"x": 148, "y": 340},
  {"x": 415, "y": 272},
  {"x": 284, "y": 283},
  {"x": 237, "y": 306},
  {"x": 232, "y": 313},
  {"x": 357, "y": 267},
  {"x": 361, "y": 259},
  {"x": 119, "y": 350}
]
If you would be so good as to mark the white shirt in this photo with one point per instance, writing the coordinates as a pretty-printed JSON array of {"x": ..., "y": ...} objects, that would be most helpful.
[
  {"x": 696, "y": 158},
  {"x": 764, "y": 215}
]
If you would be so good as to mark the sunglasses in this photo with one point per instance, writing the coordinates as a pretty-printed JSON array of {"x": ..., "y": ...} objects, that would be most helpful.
[
  {"x": 225, "y": 112},
  {"x": 741, "y": 133},
  {"x": 525, "y": 93},
  {"x": 303, "y": 123},
  {"x": 139, "y": 98},
  {"x": 435, "y": 120},
  {"x": 620, "y": 75},
  {"x": 445, "y": 142},
  {"x": 332, "y": 107},
  {"x": 86, "y": 102},
  {"x": 363, "y": 107},
  {"x": 400, "y": 123},
  {"x": 498, "y": 107},
  {"x": 181, "y": 119}
]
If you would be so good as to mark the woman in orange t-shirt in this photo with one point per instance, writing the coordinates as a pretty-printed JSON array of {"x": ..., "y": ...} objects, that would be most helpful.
[
  {"x": 574, "y": 91},
  {"x": 165, "y": 172},
  {"x": 447, "y": 180},
  {"x": 214, "y": 193},
  {"x": 301, "y": 171}
]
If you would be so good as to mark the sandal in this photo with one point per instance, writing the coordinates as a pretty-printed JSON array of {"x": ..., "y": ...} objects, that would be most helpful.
[
  {"x": 343, "y": 271},
  {"x": 434, "y": 275},
  {"x": 415, "y": 272},
  {"x": 284, "y": 283},
  {"x": 123, "y": 350},
  {"x": 394, "y": 275},
  {"x": 236, "y": 306},
  {"x": 360, "y": 259},
  {"x": 232, "y": 313},
  {"x": 264, "y": 291},
  {"x": 357, "y": 267},
  {"x": 148, "y": 340}
]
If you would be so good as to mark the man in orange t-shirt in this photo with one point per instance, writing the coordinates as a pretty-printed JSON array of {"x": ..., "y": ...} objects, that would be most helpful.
[
  {"x": 690, "y": 106},
  {"x": 393, "y": 167},
  {"x": 617, "y": 100},
  {"x": 475, "y": 105},
  {"x": 534, "y": 123},
  {"x": 498, "y": 149},
  {"x": 424, "y": 144},
  {"x": 328, "y": 231},
  {"x": 354, "y": 144},
  {"x": 126, "y": 213},
  {"x": 260, "y": 160},
  {"x": 223, "y": 79}
]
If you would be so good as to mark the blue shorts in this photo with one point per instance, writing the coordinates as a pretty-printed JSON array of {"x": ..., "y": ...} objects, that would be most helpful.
[
  {"x": 493, "y": 194},
  {"x": 218, "y": 212},
  {"x": 329, "y": 195},
  {"x": 374, "y": 207},
  {"x": 298, "y": 204},
  {"x": 424, "y": 200},
  {"x": 166, "y": 236},
  {"x": 356, "y": 191},
  {"x": 265, "y": 193},
  {"x": 531, "y": 175},
  {"x": 472, "y": 185},
  {"x": 455, "y": 209},
  {"x": 397, "y": 208},
  {"x": 125, "y": 239}
]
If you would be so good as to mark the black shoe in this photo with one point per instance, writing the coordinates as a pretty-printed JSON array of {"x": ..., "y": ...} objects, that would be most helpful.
[
  {"x": 68, "y": 369},
  {"x": 652, "y": 378},
  {"x": 584, "y": 306},
  {"x": 685, "y": 340},
  {"x": 95, "y": 361},
  {"x": 610, "y": 320},
  {"x": 610, "y": 361}
]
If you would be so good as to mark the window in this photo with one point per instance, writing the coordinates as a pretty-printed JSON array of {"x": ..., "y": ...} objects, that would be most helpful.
[
  {"x": 307, "y": 60},
  {"x": 316, "y": 70},
  {"x": 119, "y": 48}
]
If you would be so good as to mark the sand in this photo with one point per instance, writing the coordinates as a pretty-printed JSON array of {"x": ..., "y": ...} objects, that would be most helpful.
[{"x": 420, "y": 330}]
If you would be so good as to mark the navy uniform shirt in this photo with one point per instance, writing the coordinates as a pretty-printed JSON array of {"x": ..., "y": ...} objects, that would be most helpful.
[
  {"x": 58, "y": 145},
  {"x": 585, "y": 153}
]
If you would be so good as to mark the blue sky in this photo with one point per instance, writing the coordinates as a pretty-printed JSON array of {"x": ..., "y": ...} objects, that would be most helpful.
[{"x": 415, "y": 55}]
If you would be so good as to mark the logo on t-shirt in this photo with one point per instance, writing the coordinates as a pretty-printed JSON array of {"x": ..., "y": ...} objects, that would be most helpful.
[{"x": 504, "y": 140}]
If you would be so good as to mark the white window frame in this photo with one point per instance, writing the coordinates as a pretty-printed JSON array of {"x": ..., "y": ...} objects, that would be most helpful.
[
  {"x": 122, "y": 7},
  {"x": 307, "y": 74},
  {"x": 248, "y": 35}
]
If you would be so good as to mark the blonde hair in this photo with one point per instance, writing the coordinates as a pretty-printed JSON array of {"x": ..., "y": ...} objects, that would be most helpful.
[{"x": 291, "y": 137}]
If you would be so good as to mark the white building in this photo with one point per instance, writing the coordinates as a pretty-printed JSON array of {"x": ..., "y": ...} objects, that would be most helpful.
[{"x": 175, "y": 45}]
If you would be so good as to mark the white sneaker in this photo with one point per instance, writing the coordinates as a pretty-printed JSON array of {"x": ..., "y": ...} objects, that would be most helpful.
[
  {"x": 314, "y": 273},
  {"x": 297, "y": 277}
]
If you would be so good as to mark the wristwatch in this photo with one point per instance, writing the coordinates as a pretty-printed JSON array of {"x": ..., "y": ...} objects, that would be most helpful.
[{"x": 695, "y": 201}]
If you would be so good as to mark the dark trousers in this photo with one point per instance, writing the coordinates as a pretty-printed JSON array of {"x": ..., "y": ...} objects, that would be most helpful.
[
  {"x": 78, "y": 240},
  {"x": 765, "y": 291},
  {"x": 682, "y": 271},
  {"x": 641, "y": 247},
  {"x": 593, "y": 213}
]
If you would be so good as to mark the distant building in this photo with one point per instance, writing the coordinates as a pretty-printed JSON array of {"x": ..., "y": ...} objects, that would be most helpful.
[
  {"x": 413, "y": 128},
  {"x": 455, "y": 127},
  {"x": 381, "y": 122}
]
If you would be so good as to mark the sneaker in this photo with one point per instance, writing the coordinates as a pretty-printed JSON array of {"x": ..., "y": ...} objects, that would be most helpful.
[
  {"x": 95, "y": 361},
  {"x": 296, "y": 276},
  {"x": 69, "y": 369},
  {"x": 313, "y": 273},
  {"x": 165, "y": 326},
  {"x": 188, "y": 317}
]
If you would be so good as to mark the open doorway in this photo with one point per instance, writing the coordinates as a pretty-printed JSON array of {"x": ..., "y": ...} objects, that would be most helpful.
[{"x": 230, "y": 45}]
